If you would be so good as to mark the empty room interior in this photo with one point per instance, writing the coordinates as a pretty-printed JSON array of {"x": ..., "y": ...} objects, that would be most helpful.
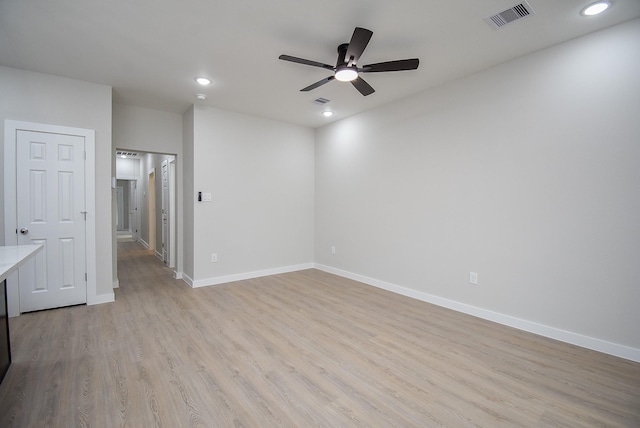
[{"x": 285, "y": 213}]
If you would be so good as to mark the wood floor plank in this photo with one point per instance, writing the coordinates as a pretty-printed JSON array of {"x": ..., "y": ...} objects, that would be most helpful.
[{"x": 299, "y": 349}]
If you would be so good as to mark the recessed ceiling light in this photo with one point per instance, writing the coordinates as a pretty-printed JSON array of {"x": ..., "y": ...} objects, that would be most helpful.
[
  {"x": 596, "y": 8},
  {"x": 203, "y": 81},
  {"x": 201, "y": 96},
  {"x": 327, "y": 113},
  {"x": 123, "y": 156}
]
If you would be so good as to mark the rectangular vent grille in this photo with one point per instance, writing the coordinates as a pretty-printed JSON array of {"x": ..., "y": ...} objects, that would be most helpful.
[
  {"x": 127, "y": 154},
  {"x": 321, "y": 101},
  {"x": 505, "y": 17}
]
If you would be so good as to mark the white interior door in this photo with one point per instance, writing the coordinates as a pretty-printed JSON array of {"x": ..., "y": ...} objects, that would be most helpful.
[
  {"x": 165, "y": 211},
  {"x": 50, "y": 180},
  {"x": 133, "y": 209}
]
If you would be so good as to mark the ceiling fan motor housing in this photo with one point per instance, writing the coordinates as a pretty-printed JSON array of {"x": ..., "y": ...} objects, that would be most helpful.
[
  {"x": 342, "y": 55},
  {"x": 344, "y": 72}
]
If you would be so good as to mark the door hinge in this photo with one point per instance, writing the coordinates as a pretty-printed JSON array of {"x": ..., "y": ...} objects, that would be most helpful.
[
  {"x": 85, "y": 155},
  {"x": 85, "y": 277}
]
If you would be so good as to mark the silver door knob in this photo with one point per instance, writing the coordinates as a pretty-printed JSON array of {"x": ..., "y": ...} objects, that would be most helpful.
[{"x": 24, "y": 231}]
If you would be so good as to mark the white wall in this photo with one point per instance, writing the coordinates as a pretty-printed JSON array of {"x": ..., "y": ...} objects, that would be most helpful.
[
  {"x": 41, "y": 98},
  {"x": 527, "y": 173},
  {"x": 148, "y": 130},
  {"x": 146, "y": 165},
  {"x": 127, "y": 169},
  {"x": 260, "y": 175},
  {"x": 188, "y": 192}
]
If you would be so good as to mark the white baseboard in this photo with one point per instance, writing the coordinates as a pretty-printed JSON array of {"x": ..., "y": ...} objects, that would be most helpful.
[
  {"x": 159, "y": 255},
  {"x": 177, "y": 275},
  {"x": 101, "y": 298},
  {"x": 144, "y": 243},
  {"x": 248, "y": 275},
  {"x": 610, "y": 348},
  {"x": 186, "y": 278},
  {"x": 116, "y": 283}
]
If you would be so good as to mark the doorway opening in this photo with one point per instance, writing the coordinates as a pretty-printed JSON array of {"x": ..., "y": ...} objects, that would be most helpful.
[
  {"x": 127, "y": 211},
  {"x": 145, "y": 196}
]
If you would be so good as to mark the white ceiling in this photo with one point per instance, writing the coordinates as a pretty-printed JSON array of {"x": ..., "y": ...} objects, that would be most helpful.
[{"x": 151, "y": 50}]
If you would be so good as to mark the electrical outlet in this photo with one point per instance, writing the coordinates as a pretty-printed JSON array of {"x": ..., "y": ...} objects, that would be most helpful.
[
  {"x": 214, "y": 258},
  {"x": 473, "y": 278},
  {"x": 333, "y": 250}
]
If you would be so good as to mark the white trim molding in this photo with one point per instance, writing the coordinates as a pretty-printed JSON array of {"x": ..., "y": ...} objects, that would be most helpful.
[
  {"x": 188, "y": 280},
  {"x": 599, "y": 345},
  {"x": 102, "y": 298},
  {"x": 247, "y": 275},
  {"x": 144, "y": 243}
]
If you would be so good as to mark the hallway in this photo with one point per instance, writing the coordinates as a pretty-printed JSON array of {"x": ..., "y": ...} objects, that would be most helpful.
[{"x": 136, "y": 262}]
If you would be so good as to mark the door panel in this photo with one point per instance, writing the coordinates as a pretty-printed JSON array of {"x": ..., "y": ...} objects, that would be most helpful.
[
  {"x": 50, "y": 211},
  {"x": 165, "y": 211}
]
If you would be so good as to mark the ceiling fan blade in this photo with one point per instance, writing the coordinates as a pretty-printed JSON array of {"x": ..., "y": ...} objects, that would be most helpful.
[
  {"x": 399, "y": 65},
  {"x": 363, "y": 87},
  {"x": 317, "y": 84},
  {"x": 305, "y": 62},
  {"x": 359, "y": 41}
]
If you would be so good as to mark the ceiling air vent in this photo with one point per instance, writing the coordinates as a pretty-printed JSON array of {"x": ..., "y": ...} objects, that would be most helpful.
[
  {"x": 321, "y": 101},
  {"x": 505, "y": 17},
  {"x": 127, "y": 154}
]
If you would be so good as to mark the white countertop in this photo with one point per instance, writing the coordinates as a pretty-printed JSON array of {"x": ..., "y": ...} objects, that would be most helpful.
[{"x": 14, "y": 256}]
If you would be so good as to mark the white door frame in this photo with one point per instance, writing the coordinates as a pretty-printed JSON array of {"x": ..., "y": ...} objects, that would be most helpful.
[
  {"x": 172, "y": 213},
  {"x": 11, "y": 128},
  {"x": 151, "y": 211},
  {"x": 166, "y": 236}
]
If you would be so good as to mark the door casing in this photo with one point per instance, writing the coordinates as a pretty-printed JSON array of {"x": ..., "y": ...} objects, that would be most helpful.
[
  {"x": 166, "y": 239},
  {"x": 11, "y": 128}
]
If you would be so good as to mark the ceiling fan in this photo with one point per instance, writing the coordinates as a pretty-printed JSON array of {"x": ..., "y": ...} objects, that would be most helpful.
[{"x": 346, "y": 68}]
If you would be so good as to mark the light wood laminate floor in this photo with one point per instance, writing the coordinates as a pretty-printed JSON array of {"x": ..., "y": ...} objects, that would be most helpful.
[{"x": 296, "y": 350}]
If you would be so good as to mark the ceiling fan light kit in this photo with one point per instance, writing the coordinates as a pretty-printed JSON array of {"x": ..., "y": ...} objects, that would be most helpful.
[
  {"x": 346, "y": 74},
  {"x": 346, "y": 68}
]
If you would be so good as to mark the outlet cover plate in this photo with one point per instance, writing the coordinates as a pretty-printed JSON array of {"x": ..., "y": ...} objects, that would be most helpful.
[{"x": 473, "y": 278}]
